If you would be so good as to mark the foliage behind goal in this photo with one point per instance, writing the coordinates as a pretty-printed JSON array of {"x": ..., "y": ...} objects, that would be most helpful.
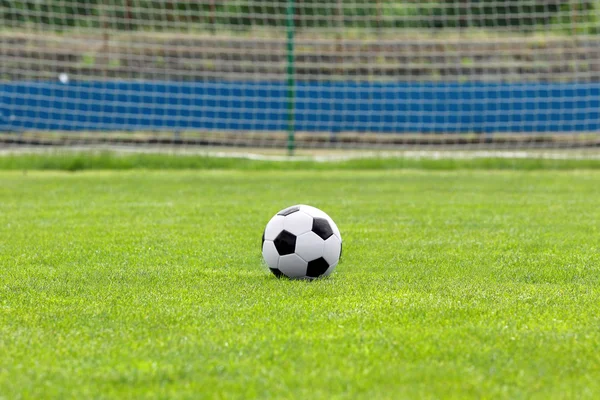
[{"x": 351, "y": 73}]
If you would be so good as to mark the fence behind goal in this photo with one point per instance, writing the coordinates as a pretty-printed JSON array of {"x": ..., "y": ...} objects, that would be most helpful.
[{"x": 301, "y": 73}]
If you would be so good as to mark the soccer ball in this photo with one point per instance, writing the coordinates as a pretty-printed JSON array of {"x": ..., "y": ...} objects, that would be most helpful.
[{"x": 301, "y": 242}]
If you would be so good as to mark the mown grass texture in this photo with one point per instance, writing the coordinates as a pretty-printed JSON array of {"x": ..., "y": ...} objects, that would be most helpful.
[{"x": 150, "y": 284}]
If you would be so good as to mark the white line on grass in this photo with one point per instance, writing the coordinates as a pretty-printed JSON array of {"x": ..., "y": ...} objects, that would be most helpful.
[{"x": 349, "y": 154}]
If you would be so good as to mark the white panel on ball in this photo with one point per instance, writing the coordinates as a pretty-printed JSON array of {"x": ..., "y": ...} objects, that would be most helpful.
[
  {"x": 274, "y": 227},
  {"x": 335, "y": 229},
  {"x": 309, "y": 246},
  {"x": 329, "y": 270},
  {"x": 270, "y": 254},
  {"x": 332, "y": 250},
  {"x": 313, "y": 212},
  {"x": 292, "y": 266},
  {"x": 298, "y": 223}
]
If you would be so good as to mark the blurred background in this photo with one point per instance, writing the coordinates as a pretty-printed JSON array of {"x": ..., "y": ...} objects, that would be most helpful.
[{"x": 278, "y": 76}]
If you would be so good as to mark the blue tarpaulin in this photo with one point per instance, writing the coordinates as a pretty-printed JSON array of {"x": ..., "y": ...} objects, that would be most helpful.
[{"x": 319, "y": 106}]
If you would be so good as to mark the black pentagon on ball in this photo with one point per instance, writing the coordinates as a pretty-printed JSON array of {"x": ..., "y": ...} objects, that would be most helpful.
[
  {"x": 322, "y": 228},
  {"x": 285, "y": 243},
  {"x": 288, "y": 211},
  {"x": 276, "y": 272},
  {"x": 317, "y": 268},
  {"x": 263, "y": 241}
]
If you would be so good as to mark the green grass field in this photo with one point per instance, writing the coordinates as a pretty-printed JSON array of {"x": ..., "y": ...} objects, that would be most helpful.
[{"x": 147, "y": 283}]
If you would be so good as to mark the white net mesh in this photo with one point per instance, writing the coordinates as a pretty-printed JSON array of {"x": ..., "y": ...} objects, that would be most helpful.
[{"x": 337, "y": 74}]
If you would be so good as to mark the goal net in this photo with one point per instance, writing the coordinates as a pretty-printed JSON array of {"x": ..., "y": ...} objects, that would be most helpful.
[{"x": 301, "y": 74}]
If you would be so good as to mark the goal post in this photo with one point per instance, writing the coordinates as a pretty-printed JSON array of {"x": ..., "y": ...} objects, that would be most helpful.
[
  {"x": 291, "y": 74},
  {"x": 301, "y": 74}
]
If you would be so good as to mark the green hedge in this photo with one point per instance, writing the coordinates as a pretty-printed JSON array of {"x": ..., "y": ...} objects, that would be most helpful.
[{"x": 220, "y": 14}]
